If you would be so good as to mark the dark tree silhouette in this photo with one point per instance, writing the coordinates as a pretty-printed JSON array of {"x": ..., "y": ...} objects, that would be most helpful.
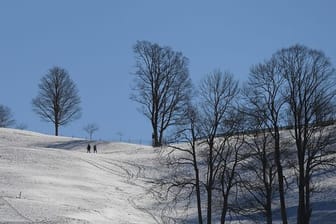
[
  {"x": 162, "y": 86},
  {"x": 260, "y": 179},
  {"x": 265, "y": 103},
  {"x": 205, "y": 162},
  {"x": 90, "y": 129},
  {"x": 57, "y": 100},
  {"x": 310, "y": 82},
  {"x": 6, "y": 117},
  {"x": 218, "y": 92},
  {"x": 182, "y": 181}
]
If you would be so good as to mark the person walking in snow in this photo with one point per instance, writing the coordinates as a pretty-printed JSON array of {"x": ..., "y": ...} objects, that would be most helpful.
[
  {"x": 94, "y": 149},
  {"x": 88, "y": 148}
]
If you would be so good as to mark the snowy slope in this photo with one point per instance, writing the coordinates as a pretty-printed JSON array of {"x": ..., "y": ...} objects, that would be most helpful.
[{"x": 49, "y": 179}]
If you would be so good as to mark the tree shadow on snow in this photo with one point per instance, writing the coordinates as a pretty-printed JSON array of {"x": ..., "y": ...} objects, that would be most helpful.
[
  {"x": 324, "y": 212},
  {"x": 68, "y": 145}
]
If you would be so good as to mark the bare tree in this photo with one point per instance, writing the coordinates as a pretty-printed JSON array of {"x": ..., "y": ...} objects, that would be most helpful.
[
  {"x": 162, "y": 86},
  {"x": 265, "y": 104},
  {"x": 57, "y": 100},
  {"x": 228, "y": 171},
  {"x": 310, "y": 80},
  {"x": 207, "y": 160},
  {"x": 217, "y": 94},
  {"x": 90, "y": 129},
  {"x": 187, "y": 155},
  {"x": 6, "y": 117},
  {"x": 182, "y": 182},
  {"x": 259, "y": 171}
]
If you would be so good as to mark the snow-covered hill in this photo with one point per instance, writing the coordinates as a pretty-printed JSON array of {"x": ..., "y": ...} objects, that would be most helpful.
[{"x": 47, "y": 179}]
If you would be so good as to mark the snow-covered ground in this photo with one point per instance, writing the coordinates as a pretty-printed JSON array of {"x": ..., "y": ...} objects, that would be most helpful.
[{"x": 47, "y": 179}]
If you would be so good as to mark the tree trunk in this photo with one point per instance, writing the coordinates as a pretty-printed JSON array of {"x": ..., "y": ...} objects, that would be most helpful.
[
  {"x": 155, "y": 137},
  {"x": 301, "y": 207},
  {"x": 210, "y": 183},
  {"x": 268, "y": 182},
  {"x": 56, "y": 129},
  {"x": 160, "y": 138},
  {"x": 304, "y": 209},
  {"x": 209, "y": 208},
  {"x": 308, "y": 208},
  {"x": 301, "y": 212},
  {"x": 269, "y": 207},
  {"x": 280, "y": 177},
  {"x": 198, "y": 196},
  {"x": 198, "y": 190},
  {"x": 224, "y": 210}
]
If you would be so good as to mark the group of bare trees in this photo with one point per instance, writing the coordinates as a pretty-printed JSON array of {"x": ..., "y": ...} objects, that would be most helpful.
[
  {"x": 162, "y": 88},
  {"x": 210, "y": 154},
  {"x": 296, "y": 87},
  {"x": 237, "y": 158}
]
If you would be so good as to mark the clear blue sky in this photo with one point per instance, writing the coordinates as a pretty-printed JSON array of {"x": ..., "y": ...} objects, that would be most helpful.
[{"x": 93, "y": 40}]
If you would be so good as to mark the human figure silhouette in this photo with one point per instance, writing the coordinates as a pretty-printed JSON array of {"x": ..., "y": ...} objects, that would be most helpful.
[
  {"x": 94, "y": 149},
  {"x": 88, "y": 148}
]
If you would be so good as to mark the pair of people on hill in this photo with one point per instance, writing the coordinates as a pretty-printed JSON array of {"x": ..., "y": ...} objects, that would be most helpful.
[{"x": 89, "y": 148}]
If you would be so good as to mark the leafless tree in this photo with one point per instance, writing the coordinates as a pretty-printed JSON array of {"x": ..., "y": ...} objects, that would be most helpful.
[
  {"x": 6, "y": 117},
  {"x": 197, "y": 165},
  {"x": 162, "y": 86},
  {"x": 182, "y": 181},
  {"x": 90, "y": 129},
  {"x": 265, "y": 104},
  {"x": 228, "y": 171},
  {"x": 57, "y": 100},
  {"x": 217, "y": 94},
  {"x": 190, "y": 151},
  {"x": 310, "y": 80},
  {"x": 259, "y": 170}
]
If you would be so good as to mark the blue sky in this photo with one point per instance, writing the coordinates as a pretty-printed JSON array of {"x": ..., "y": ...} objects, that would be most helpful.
[{"x": 93, "y": 40}]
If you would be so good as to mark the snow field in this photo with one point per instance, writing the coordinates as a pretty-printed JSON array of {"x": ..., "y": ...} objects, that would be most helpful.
[{"x": 53, "y": 180}]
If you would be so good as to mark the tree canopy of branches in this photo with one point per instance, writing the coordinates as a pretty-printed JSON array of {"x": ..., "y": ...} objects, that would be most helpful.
[
  {"x": 58, "y": 100},
  {"x": 217, "y": 94},
  {"x": 206, "y": 162},
  {"x": 264, "y": 107},
  {"x": 237, "y": 144},
  {"x": 310, "y": 96},
  {"x": 297, "y": 87},
  {"x": 162, "y": 86},
  {"x": 6, "y": 117}
]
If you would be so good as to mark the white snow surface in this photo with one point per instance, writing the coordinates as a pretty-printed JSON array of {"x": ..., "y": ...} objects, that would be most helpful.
[{"x": 48, "y": 179}]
